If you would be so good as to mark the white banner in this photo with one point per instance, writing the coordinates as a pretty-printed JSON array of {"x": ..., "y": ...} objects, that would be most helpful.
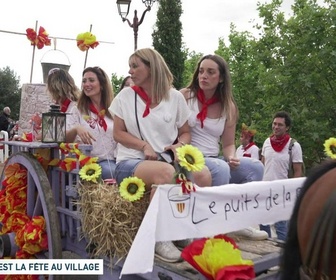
[{"x": 207, "y": 212}]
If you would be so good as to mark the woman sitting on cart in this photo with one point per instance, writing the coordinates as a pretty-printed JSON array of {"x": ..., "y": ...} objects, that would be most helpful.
[
  {"x": 90, "y": 122},
  {"x": 62, "y": 88},
  {"x": 63, "y": 92},
  {"x": 149, "y": 117}
]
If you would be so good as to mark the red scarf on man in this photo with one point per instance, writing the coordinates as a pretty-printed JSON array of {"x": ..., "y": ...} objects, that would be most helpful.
[
  {"x": 279, "y": 143},
  {"x": 101, "y": 115},
  {"x": 65, "y": 105},
  {"x": 139, "y": 91},
  {"x": 205, "y": 103}
]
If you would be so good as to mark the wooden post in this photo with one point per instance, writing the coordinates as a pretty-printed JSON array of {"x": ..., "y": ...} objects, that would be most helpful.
[
  {"x": 33, "y": 57},
  {"x": 87, "y": 51}
]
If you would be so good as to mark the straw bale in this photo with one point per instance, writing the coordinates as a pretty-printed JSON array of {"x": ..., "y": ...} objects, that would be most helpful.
[{"x": 109, "y": 222}]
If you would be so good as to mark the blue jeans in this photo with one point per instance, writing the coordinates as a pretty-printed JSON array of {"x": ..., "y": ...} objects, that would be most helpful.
[
  {"x": 126, "y": 168},
  {"x": 281, "y": 229},
  {"x": 219, "y": 169},
  {"x": 108, "y": 168},
  {"x": 249, "y": 170}
]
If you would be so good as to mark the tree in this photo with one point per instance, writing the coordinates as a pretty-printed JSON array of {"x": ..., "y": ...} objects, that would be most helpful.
[
  {"x": 291, "y": 66},
  {"x": 116, "y": 83},
  {"x": 167, "y": 37},
  {"x": 190, "y": 65},
  {"x": 10, "y": 92}
]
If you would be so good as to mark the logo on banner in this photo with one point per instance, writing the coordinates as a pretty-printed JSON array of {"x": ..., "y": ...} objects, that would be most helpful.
[{"x": 179, "y": 202}]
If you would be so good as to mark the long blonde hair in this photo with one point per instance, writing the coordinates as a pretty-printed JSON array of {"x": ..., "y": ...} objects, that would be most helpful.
[
  {"x": 61, "y": 86},
  {"x": 161, "y": 77}
]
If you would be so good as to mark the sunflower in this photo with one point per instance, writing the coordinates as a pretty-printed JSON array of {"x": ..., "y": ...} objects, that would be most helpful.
[
  {"x": 90, "y": 172},
  {"x": 330, "y": 147},
  {"x": 132, "y": 188},
  {"x": 190, "y": 158}
]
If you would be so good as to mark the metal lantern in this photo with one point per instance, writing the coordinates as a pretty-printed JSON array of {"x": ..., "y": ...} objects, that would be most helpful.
[
  {"x": 53, "y": 125},
  {"x": 123, "y": 7}
]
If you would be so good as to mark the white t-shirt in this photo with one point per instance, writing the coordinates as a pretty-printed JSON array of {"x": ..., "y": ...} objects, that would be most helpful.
[
  {"x": 159, "y": 128},
  {"x": 253, "y": 151},
  {"x": 71, "y": 105},
  {"x": 104, "y": 147},
  {"x": 207, "y": 138},
  {"x": 277, "y": 163}
]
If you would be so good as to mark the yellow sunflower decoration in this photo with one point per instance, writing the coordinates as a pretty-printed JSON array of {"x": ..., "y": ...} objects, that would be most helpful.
[
  {"x": 190, "y": 158},
  {"x": 330, "y": 147},
  {"x": 91, "y": 172},
  {"x": 132, "y": 188}
]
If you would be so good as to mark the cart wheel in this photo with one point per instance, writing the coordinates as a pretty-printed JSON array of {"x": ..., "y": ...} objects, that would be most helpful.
[{"x": 40, "y": 201}]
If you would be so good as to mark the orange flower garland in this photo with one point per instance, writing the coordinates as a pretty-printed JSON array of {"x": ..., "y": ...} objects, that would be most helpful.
[
  {"x": 30, "y": 233},
  {"x": 19, "y": 277},
  {"x": 70, "y": 163},
  {"x": 32, "y": 237}
]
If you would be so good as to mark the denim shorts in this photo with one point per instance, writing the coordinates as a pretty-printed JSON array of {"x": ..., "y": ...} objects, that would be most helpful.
[
  {"x": 108, "y": 168},
  {"x": 126, "y": 168},
  {"x": 249, "y": 170}
]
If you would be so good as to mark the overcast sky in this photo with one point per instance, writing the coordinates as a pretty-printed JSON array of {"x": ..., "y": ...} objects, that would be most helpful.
[{"x": 203, "y": 21}]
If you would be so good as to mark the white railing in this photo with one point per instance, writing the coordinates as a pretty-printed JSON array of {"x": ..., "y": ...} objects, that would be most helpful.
[{"x": 4, "y": 150}]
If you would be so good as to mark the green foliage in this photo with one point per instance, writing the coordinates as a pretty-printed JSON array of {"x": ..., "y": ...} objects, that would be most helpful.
[
  {"x": 190, "y": 65},
  {"x": 116, "y": 83},
  {"x": 167, "y": 37},
  {"x": 10, "y": 92},
  {"x": 291, "y": 66}
]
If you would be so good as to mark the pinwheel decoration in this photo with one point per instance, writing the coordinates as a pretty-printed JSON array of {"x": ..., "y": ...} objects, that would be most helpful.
[
  {"x": 39, "y": 40},
  {"x": 218, "y": 258},
  {"x": 86, "y": 40}
]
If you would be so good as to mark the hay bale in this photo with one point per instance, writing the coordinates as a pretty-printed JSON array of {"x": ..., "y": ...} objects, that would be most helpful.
[{"x": 110, "y": 222}]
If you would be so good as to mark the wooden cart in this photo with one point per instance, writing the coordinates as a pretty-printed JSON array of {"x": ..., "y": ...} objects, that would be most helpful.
[{"x": 53, "y": 195}]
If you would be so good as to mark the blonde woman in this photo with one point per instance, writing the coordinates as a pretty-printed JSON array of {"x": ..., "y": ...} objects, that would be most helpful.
[
  {"x": 62, "y": 88},
  {"x": 150, "y": 118}
]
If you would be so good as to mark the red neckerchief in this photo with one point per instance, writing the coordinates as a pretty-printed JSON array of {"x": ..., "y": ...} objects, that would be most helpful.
[
  {"x": 279, "y": 143},
  {"x": 101, "y": 115},
  {"x": 246, "y": 148},
  {"x": 145, "y": 97},
  {"x": 65, "y": 105},
  {"x": 205, "y": 103}
]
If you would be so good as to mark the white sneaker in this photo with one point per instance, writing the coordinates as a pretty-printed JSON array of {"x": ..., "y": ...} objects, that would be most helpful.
[
  {"x": 181, "y": 244},
  {"x": 166, "y": 251},
  {"x": 252, "y": 233},
  {"x": 274, "y": 268}
]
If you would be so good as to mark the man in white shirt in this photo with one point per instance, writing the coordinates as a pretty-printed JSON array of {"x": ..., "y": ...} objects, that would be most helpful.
[{"x": 275, "y": 156}]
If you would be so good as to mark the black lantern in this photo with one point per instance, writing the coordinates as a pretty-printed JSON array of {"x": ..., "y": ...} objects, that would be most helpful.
[
  {"x": 123, "y": 7},
  {"x": 53, "y": 125}
]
